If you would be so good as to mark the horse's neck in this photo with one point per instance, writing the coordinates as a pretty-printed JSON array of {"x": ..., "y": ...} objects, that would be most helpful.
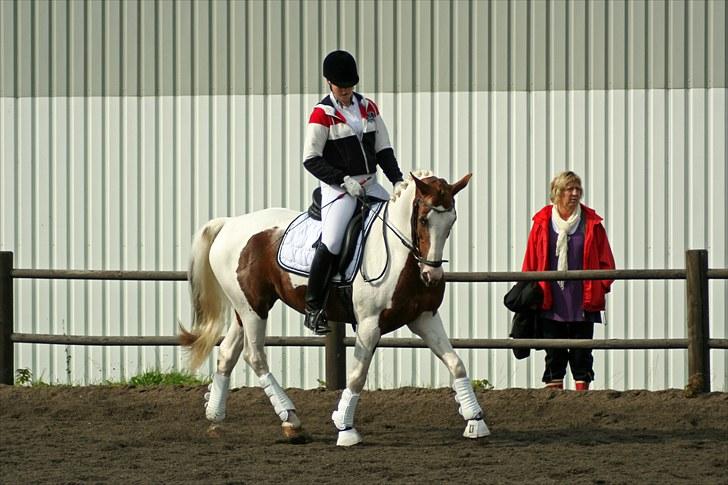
[
  {"x": 397, "y": 215},
  {"x": 400, "y": 214}
]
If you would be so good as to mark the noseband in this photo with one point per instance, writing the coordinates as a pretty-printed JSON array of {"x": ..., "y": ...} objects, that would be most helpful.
[{"x": 413, "y": 246}]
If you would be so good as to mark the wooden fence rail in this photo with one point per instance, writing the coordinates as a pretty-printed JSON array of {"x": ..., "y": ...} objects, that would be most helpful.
[{"x": 698, "y": 342}]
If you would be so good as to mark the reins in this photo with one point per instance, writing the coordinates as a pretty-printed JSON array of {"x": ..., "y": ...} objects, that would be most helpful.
[{"x": 412, "y": 246}]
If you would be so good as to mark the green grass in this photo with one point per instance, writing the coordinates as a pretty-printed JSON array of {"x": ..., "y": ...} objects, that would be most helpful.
[
  {"x": 482, "y": 385},
  {"x": 159, "y": 378},
  {"x": 25, "y": 377}
]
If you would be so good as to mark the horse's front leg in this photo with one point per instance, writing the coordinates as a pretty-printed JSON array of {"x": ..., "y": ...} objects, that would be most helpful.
[
  {"x": 367, "y": 338},
  {"x": 429, "y": 327}
]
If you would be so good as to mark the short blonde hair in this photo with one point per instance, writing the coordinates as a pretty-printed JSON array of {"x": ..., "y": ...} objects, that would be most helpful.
[{"x": 561, "y": 181}]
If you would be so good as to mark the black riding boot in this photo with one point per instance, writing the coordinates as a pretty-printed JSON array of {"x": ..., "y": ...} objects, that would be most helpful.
[{"x": 322, "y": 269}]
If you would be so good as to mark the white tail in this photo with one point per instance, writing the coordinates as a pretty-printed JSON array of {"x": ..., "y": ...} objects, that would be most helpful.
[{"x": 209, "y": 303}]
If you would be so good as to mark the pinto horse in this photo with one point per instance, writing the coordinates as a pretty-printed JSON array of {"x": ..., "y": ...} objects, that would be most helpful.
[{"x": 234, "y": 263}]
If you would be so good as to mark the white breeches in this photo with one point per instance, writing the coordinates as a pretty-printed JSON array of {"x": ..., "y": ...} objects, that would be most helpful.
[{"x": 336, "y": 213}]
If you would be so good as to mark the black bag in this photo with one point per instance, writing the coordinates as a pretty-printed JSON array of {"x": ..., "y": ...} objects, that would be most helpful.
[
  {"x": 524, "y": 325},
  {"x": 524, "y": 299},
  {"x": 524, "y": 296}
]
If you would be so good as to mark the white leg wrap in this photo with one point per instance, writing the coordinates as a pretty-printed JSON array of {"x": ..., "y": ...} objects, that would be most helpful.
[
  {"x": 343, "y": 417},
  {"x": 469, "y": 407},
  {"x": 216, "y": 397},
  {"x": 282, "y": 404}
]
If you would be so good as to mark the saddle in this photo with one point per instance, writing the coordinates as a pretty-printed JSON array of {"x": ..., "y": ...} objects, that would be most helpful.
[{"x": 303, "y": 235}]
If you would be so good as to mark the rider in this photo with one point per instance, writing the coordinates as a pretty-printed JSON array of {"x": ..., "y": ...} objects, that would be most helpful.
[{"x": 345, "y": 141}]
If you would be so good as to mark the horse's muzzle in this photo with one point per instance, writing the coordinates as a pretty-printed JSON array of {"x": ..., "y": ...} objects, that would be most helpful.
[{"x": 431, "y": 276}]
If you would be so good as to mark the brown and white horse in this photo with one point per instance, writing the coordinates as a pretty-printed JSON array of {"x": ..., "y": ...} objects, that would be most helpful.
[{"x": 234, "y": 263}]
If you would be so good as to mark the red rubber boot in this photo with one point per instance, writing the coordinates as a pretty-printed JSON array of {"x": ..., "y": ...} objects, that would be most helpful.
[{"x": 581, "y": 385}]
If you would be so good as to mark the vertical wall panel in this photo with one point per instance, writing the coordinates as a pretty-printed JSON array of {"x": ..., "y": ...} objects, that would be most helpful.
[{"x": 124, "y": 126}]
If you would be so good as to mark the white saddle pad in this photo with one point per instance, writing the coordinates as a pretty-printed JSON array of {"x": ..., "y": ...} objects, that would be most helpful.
[{"x": 296, "y": 250}]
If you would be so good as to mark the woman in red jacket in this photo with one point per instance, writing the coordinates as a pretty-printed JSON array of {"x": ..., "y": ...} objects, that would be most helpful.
[{"x": 569, "y": 235}]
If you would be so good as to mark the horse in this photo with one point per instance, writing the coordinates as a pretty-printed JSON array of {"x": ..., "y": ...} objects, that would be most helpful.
[{"x": 233, "y": 263}]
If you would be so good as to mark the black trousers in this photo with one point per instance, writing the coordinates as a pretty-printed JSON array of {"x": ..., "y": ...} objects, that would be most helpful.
[{"x": 580, "y": 360}]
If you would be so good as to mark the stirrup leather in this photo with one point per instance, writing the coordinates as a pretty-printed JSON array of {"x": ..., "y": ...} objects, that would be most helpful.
[{"x": 316, "y": 321}]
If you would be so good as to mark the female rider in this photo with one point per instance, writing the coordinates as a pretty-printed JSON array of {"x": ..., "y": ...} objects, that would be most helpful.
[{"x": 345, "y": 141}]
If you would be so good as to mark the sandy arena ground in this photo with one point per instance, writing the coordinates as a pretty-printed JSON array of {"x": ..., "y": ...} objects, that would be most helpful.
[{"x": 159, "y": 435}]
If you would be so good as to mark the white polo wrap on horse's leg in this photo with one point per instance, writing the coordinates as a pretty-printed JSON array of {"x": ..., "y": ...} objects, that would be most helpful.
[
  {"x": 469, "y": 409},
  {"x": 343, "y": 419},
  {"x": 216, "y": 397},
  {"x": 282, "y": 404}
]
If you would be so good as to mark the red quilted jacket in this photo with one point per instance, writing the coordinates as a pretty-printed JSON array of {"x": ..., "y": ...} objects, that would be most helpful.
[{"x": 597, "y": 255}]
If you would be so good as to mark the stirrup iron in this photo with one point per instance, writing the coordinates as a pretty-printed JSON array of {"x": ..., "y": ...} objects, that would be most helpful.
[{"x": 316, "y": 321}]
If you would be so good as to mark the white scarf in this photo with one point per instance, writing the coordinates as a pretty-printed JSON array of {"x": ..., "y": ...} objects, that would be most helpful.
[{"x": 564, "y": 228}]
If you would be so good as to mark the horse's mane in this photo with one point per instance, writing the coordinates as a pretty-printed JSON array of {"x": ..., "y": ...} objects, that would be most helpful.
[{"x": 420, "y": 174}]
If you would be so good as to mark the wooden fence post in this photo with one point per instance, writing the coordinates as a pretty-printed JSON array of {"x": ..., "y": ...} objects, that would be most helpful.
[
  {"x": 6, "y": 318},
  {"x": 336, "y": 357},
  {"x": 696, "y": 265}
]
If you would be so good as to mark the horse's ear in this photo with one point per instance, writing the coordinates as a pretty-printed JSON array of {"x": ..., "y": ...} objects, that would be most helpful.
[
  {"x": 422, "y": 186},
  {"x": 460, "y": 184}
]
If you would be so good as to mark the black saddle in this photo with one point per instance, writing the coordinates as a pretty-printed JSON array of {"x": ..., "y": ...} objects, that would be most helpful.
[{"x": 353, "y": 228}]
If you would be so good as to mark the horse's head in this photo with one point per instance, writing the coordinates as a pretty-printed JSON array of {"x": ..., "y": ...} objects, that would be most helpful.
[{"x": 433, "y": 214}]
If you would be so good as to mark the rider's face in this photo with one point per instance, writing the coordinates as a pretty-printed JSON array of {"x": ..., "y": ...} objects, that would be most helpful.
[{"x": 343, "y": 95}]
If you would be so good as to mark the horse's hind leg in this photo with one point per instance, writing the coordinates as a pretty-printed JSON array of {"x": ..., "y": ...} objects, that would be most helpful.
[
  {"x": 230, "y": 348},
  {"x": 254, "y": 355},
  {"x": 429, "y": 327}
]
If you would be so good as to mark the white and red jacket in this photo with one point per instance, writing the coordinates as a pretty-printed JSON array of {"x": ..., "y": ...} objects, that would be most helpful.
[{"x": 332, "y": 150}]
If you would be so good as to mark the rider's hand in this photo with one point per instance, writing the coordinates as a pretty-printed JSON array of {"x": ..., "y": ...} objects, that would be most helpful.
[
  {"x": 352, "y": 187},
  {"x": 397, "y": 185}
]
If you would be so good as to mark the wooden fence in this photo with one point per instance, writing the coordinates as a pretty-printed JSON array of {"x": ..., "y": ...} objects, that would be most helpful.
[{"x": 698, "y": 341}]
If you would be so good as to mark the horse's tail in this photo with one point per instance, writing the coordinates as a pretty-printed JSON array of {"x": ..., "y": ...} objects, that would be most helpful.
[{"x": 209, "y": 303}]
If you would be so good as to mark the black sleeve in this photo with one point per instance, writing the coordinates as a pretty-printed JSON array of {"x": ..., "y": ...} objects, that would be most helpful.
[
  {"x": 388, "y": 162},
  {"x": 323, "y": 171}
]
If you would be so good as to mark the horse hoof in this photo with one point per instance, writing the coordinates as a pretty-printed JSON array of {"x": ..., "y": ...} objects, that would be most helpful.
[
  {"x": 348, "y": 437},
  {"x": 476, "y": 428},
  {"x": 215, "y": 417},
  {"x": 214, "y": 431},
  {"x": 296, "y": 435}
]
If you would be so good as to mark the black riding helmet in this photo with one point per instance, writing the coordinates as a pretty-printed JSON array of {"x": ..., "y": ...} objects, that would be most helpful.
[{"x": 340, "y": 69}]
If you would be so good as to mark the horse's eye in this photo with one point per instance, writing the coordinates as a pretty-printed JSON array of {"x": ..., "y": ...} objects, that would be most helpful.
[{"x": 423, "y": 221}]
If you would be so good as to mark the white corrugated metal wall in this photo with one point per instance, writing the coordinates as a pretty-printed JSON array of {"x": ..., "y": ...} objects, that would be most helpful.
[{"x": 126, "y": 125}]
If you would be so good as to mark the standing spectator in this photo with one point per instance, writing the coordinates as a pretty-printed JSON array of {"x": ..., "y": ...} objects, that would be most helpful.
[{"x": 569, "y": 235}]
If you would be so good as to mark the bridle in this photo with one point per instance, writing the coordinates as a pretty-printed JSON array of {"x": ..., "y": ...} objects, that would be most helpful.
[{"x": 414, "y": 244}]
